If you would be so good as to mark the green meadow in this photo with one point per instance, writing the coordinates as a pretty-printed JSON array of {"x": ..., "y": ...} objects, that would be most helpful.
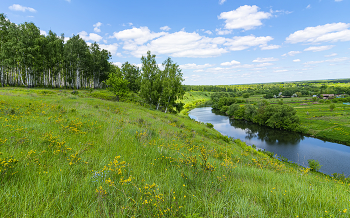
[{"x": 85, "y": 155}]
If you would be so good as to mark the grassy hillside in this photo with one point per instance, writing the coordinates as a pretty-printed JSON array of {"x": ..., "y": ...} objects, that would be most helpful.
[{"x": 65, "y": 155}]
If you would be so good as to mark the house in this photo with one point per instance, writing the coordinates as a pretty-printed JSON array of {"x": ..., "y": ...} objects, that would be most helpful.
[{"x": 328, "y": 96}]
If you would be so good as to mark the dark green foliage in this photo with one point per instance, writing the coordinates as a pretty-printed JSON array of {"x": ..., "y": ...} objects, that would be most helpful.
[
  {"x": 224, "y": 109},
  {"x": 132, "y": 74},
  {"x": 210, "y": 125},
  {"x": 117, "y": 84},
  {"x": 314, "y": 165},
  {"x": 268, "y": 95},
  {"x": 161, "y": 88},
  {"x": 245, "y": 95}
]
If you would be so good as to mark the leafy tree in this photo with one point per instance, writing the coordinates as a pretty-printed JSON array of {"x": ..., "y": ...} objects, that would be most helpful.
[
  {"x": 249, "y": 112},
  {"x": 117, "y": 84},
  {"x": 232, "y": 109},
  {"x": 245, "y": 95},
  {"x": 132, "y": 74},
  {"x": 268, "y": 95},
  {"x": 161, "y": 88},
  {"x": 149, "y": 89},
  {"x": 281, "y": 116},
  {"x": 331, "y": 107},
  {"x": 171, "y": 82}
]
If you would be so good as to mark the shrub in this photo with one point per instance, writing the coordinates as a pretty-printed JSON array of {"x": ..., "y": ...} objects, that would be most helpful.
[
  {"x": 210, "y": 125},
  {"x": 245, "y": 95},
  {"x": 331, "y": 107},
  {"x": 75, "y": 92},
  {"x": 314, "y": 165}
]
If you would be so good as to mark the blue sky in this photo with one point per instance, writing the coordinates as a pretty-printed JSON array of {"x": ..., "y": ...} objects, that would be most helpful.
[{"x": 213, "y": 41}]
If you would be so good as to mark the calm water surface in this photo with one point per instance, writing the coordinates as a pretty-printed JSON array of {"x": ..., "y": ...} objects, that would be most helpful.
[{"x": 334, "y": 157}]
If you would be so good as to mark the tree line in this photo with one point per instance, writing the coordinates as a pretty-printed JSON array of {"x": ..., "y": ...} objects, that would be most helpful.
[
  {"x": 30, "y": 59},
  {"x": 278, "y": 116}
]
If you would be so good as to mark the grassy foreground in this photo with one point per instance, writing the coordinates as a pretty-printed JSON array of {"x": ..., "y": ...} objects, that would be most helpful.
[{"x": 66, "y": 155}]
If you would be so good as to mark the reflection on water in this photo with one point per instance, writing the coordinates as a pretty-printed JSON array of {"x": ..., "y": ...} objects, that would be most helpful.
[
  {"x": 334, "y": 157},
  {"x": 269, "y": 135}
]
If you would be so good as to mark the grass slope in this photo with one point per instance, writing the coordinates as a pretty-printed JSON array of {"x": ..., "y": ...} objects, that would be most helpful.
[{"x": 76, "y": 156}]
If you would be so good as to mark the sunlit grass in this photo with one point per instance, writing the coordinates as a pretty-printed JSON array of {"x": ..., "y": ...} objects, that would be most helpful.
[{"x": 85, "y": 157}]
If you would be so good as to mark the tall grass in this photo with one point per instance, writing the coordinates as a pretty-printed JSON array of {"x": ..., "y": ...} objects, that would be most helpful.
[{"x": 78, "y": 156}]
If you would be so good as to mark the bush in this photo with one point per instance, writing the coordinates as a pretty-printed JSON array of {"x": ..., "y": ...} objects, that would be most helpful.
[
  {"x": 75, "y": 92},
  {"x": 331, "y": 107},
  {"x": 210, "y": 125},
  {"x": 245, "y": 95},
  {"x": 314, "y": 165}
]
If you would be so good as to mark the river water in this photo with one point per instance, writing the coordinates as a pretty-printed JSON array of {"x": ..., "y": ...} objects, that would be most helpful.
[{"x": 334, "y": 157}]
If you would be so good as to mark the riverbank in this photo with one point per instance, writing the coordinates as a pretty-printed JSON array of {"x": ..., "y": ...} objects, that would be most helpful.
[
  {"x": 288, "y": 146},
  {"x": 317, "y": 118},
  {"x": 86, "y": 157}
]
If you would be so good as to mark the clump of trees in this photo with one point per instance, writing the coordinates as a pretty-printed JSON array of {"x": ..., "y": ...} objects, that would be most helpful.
[
  {"x": 158, "y": 88},
  {"x": 279, "y": 116},
  {"x": 30, "y": 59}
]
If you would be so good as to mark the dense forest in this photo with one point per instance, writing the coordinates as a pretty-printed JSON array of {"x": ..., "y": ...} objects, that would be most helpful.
[
  {"x": 287, "y": 89},
  {"x": 30, "y": 59}
]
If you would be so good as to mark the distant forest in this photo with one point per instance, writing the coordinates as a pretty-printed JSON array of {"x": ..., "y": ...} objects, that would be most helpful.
[
  {"x": 303, "y": 88},
  {"x": 33, "y": 60}
]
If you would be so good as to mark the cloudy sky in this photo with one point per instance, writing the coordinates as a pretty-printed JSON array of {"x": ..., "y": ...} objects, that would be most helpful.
[{"x": 213, "y": 41}]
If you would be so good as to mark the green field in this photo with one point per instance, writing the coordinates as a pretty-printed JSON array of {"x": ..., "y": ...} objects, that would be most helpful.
[{"x": 65, "y": 155}]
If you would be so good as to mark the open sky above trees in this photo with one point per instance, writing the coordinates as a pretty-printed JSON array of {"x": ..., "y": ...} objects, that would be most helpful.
[{"x": 214, "y": 42}]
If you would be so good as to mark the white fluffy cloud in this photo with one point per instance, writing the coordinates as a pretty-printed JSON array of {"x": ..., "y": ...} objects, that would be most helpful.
[
  {"x": 223, "y": 32},
  {"x": 280, "y": 71},
  {"x": 195, "y": 66},
  {"x": 90, "y": 37},
  {"x": 208, "y": 32},
  {"x": 269, "y": 47},
  {"x": 138, "y": 35},
  {"x": 233, "y": 62},
  {"x": 329, "y": 60},
  {"x": 238, "y": 43},
  {"x": 119, "y": 64},
  {"x": 97, "y": 27},
  {"x": 183, "y": 44},
  {"x": 296, "y": 60},
  {"x": 262, "y": 60},
  {"x": 137, "y": 41},
  {"x": 165, "y": 28},
  {"x": 331, "y": 55},
  {"x": 221, "y": 2},
  {"x": 17, "y": 7},
  {"x": 319, "y": 48},
  {"x": 245, "y": 17},
  {"x": 43, "y": 32},
  {"x": 112, "y": 48},
  {"x": 291, "y": 53},
  {"x": 332, "y": 32}
]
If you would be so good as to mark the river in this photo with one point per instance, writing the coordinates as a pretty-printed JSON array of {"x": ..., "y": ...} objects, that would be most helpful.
[{"x": 334, "y": 157}]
